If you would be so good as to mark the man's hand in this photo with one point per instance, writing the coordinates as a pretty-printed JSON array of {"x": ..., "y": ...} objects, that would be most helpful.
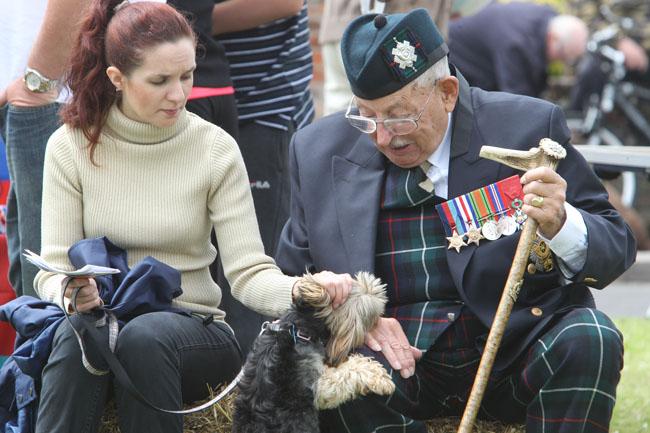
[
  {"x": 88, "y": 296},
  {"x": 636, "y": 59},
  {"x": 544, "y": 197},
  {"x": 18, "y": 95},
  {"x": 388, "y": 337}
]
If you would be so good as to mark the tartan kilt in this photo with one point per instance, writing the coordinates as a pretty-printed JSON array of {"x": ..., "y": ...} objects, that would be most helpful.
[{"x": 566, "y": 382}]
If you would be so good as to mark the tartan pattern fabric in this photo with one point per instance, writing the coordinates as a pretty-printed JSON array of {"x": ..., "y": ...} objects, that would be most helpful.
[
  {"x": 565, "y": 383},
  {"x": 410, "y": 257}
]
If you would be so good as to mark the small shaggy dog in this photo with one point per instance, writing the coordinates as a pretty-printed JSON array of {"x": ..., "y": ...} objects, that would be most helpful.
[{"x": 300, "y": 364}]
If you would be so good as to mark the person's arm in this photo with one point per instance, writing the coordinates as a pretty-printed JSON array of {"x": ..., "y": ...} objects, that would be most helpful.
[
  {"x": 61, "y": 214},
  {"x": 636, "y": 58},
  {"x": 235, "y": 15},
  {"x": 610, "y": 244},
  {"x": 50, "y": 52}
]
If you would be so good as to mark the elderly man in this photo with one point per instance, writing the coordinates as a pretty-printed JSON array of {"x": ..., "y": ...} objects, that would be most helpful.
[
  {"x": 508, "y": 47},
  {"x": 365, "y": 186}
]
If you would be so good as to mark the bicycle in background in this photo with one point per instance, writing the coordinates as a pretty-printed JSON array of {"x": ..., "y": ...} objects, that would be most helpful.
[{"x": 612, "y": 116}]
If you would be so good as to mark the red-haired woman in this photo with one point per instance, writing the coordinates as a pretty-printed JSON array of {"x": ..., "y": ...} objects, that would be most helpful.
[{"x": 133, "y": 165}]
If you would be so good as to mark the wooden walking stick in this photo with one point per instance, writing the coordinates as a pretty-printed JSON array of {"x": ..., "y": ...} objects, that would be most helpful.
[{"x": 547, "y": 154}]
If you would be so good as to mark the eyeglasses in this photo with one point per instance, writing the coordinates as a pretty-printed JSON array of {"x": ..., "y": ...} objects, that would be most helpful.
[{"x": 396, "y": 126}]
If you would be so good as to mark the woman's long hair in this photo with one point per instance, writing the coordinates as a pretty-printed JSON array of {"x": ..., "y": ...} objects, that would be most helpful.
[{"x": 113, "y": 38}]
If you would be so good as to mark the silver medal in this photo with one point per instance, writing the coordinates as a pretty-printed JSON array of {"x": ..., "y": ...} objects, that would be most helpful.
[
  {"x": 491, "y": 230},
  {"x": 507, "y": 225}
]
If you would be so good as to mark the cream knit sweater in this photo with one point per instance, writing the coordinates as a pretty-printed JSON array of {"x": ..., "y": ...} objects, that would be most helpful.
[{"x": 158, "y": 192}]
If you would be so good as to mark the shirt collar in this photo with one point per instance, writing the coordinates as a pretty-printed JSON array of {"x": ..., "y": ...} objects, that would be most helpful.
[{"x": 440, "y": 158}]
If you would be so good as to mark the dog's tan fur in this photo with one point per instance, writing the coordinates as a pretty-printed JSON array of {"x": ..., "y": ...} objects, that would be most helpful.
[
  {"x": 346, "y": 377},
  {"x": 351, "y": 320},
  {"x": 356, "y": 376}
]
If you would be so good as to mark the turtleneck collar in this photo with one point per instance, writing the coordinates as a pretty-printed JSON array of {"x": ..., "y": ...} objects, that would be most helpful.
[{"x": 126, "y": 129}]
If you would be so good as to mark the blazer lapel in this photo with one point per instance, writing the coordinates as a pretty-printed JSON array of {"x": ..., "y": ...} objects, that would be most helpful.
[
  {"x": 465, "y": 171},
  {"x": 357, "y": 180}
]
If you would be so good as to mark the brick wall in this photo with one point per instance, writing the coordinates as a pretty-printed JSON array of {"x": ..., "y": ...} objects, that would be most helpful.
[{"x": 315, "y": 11}]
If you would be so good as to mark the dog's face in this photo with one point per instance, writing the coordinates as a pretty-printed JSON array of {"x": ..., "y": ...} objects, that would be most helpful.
[{"x": 349, "y": 323}]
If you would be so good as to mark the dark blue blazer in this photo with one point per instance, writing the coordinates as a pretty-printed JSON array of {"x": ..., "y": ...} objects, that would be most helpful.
[
  {"x": 337, "y": 176},
  {"x": 503, "y": 47}
]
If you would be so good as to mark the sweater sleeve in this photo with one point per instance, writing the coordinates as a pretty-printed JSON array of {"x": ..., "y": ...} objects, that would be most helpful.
[
  {"x": 254, "y": 278},
  {"x": 61, "y": 212}
]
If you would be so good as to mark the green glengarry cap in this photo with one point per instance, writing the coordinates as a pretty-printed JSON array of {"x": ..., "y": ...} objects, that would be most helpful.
[{"x": 383, "y": 53}]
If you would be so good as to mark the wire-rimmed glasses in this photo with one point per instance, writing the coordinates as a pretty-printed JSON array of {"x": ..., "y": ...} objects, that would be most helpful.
[{"x": 396, "y": 126}]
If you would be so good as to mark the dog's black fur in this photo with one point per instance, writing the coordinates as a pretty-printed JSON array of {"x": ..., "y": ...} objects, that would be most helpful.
[{"x": 276, "y": 392}]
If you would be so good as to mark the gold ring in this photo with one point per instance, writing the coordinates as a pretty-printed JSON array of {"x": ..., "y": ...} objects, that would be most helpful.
[{"x": 537, "y": 201}]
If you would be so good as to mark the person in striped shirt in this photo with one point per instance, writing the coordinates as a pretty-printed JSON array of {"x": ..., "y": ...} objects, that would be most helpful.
[{"x": 271, "y": 69}]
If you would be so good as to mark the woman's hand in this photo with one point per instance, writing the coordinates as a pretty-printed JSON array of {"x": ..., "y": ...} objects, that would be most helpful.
[
  {"x": 338, "y": 286},
  {"x": 388, "y": 337},
  {"x": 88, "y": 296}
]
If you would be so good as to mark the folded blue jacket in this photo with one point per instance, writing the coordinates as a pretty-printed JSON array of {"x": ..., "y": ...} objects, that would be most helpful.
[{"x": 149, "y": 286}]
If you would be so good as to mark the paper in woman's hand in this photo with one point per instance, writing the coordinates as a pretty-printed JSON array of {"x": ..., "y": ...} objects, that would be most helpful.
[{"x": 86, "y": 271}]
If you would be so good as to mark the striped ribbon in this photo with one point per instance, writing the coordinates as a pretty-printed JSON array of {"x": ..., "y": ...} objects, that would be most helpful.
[{"x": 474, "y": 208}]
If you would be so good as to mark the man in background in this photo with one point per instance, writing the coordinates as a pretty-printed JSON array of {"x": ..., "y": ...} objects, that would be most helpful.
[{"x": 508, "y": 47}]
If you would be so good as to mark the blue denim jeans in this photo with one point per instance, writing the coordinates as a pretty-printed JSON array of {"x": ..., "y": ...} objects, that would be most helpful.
[
  {"x": 27, "y": 130},
  {"x": 170, "y": 358}
]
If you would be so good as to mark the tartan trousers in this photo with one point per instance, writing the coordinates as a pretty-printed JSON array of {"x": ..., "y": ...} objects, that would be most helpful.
[{"x": 566, "y": 382}]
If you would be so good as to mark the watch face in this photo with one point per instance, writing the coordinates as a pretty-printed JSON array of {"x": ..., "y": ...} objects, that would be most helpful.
[{"x": 32, "y": 81}]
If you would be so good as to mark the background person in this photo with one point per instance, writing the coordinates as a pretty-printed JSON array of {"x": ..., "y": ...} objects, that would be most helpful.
[
  {"x": 269, "y": 52},
  {"x": 29, "y": 114},
  {"x": 508, "y": 47}
]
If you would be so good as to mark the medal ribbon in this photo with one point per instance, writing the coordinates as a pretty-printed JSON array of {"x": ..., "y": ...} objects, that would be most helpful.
[
  {"x": 475, "y": 208},
  {"x": 498, "y": 200},
  {"x": 447, "y": 218}
]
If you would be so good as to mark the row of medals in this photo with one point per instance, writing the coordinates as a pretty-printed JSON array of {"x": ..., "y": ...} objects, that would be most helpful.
[{"x": 490, "y": 230}]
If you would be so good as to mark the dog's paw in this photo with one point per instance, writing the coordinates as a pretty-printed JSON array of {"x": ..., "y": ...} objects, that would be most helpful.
[
  {"x": 379, "y": 381},
  {"x": 357, "y": 376}
]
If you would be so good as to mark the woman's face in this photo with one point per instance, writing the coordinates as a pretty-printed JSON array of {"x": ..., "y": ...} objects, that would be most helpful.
[{"x": 156, "y": 91}]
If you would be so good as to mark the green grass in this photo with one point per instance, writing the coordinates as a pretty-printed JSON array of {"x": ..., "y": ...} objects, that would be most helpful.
[{"x": 632, "y": 410}]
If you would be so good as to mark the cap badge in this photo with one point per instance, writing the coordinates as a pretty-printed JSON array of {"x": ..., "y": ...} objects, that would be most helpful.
[{"x": 404, "y": 54}]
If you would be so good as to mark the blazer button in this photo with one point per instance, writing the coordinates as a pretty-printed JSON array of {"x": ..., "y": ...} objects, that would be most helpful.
[
  {"x": 536, "y": 311},
  {"x": 590, "y": 281}
]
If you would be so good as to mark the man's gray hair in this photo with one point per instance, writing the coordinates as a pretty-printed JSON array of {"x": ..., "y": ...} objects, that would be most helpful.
[{"x": 437, "y": 71}]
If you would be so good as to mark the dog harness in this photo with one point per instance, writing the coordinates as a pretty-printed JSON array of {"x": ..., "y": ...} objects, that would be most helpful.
[{"x": 298, "y": 335}]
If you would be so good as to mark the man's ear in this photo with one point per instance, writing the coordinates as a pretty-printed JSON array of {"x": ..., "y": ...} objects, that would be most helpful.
[
  {"x": 449, "y": 89},
  {"x": 116, "y": 77}
]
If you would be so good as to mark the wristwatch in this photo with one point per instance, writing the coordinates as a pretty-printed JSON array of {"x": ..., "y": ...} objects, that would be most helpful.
[{"x": 36, "y": 82}]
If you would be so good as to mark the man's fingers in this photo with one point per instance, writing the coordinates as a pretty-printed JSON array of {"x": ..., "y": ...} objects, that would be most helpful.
[
  {"x": 372, "y": 343},
  {"x": 390, "y": 355}
]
